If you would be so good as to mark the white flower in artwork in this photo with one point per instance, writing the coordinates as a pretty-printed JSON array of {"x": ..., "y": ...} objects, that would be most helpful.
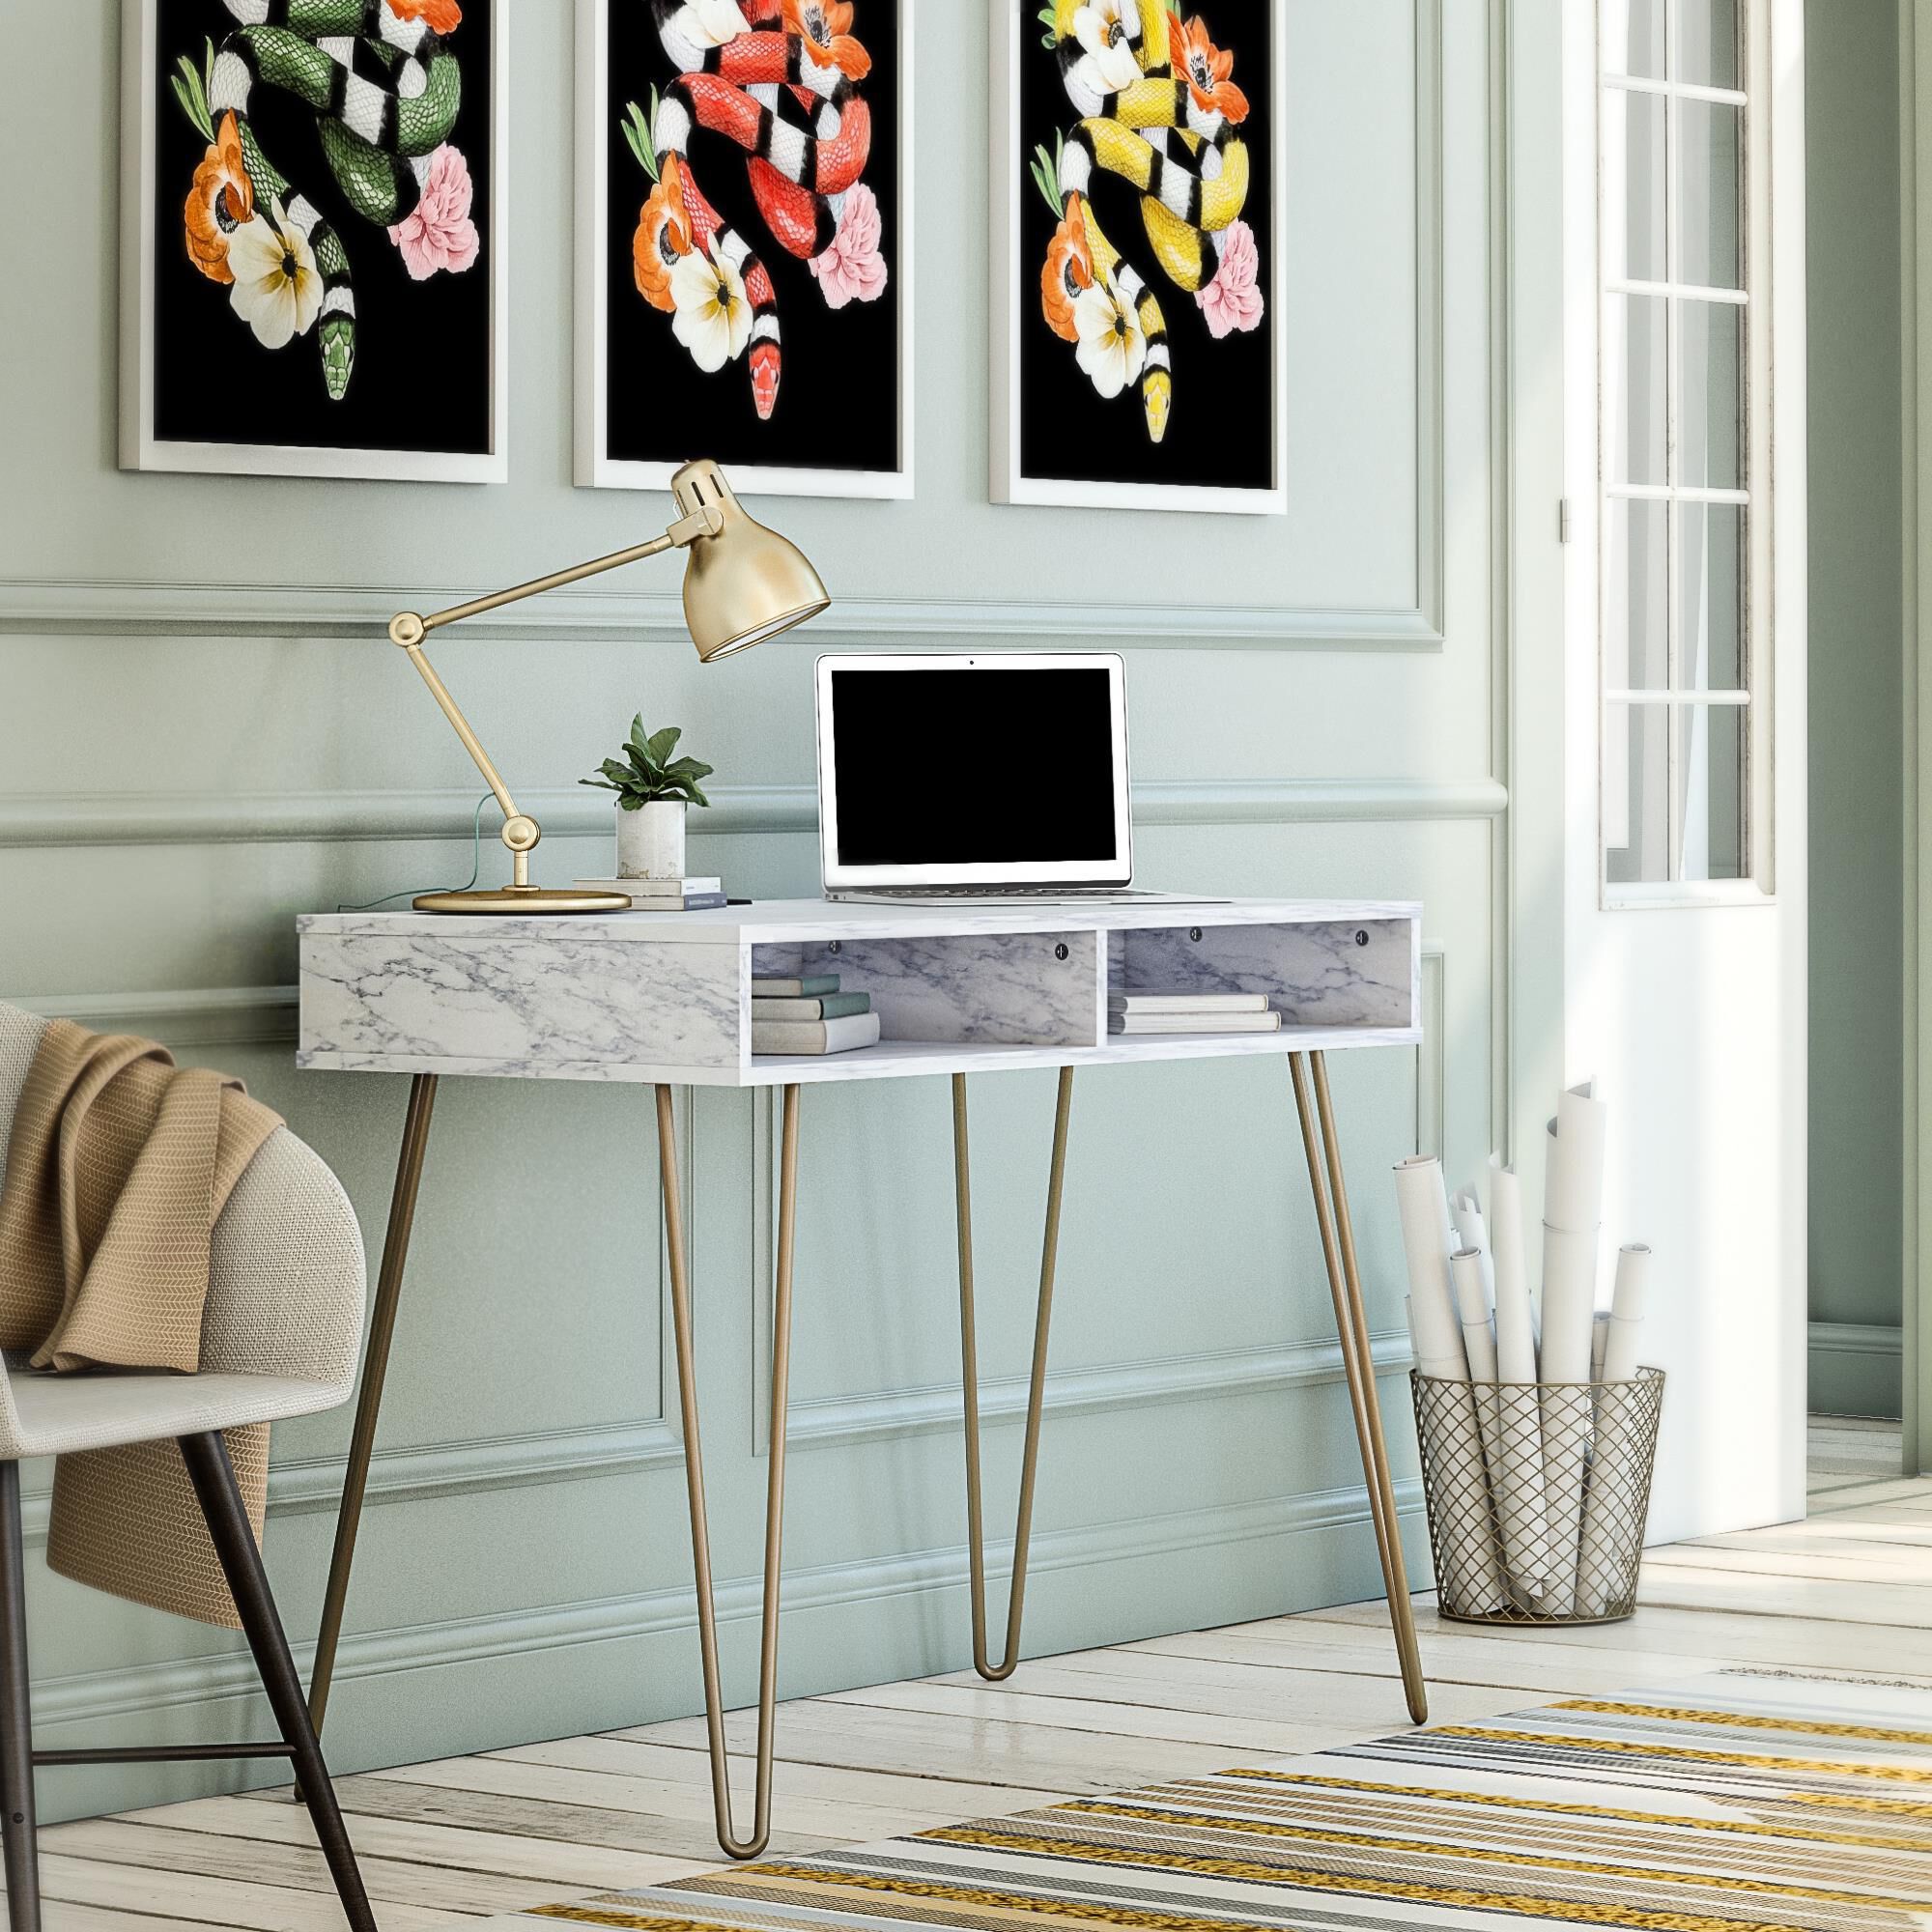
[
  {"x": 277, "y": 287},
  {"x": 713, "y": 22},
  {"x": 1106, "y": 28},
  {"x": 1112, "y": 347},
  {"x": 712, "y": 319}
]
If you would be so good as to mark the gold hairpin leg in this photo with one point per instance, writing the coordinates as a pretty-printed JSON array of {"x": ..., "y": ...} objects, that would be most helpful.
[
  {"x": 969, "y": 1350},
  {"x": 1351, "y": 1324},
  {"x": 694, "y": 1476},
  {"x": 369, "y": 1404}
]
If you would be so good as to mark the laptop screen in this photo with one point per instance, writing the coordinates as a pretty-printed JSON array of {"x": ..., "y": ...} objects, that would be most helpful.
[{"x": 985, "y": 770}]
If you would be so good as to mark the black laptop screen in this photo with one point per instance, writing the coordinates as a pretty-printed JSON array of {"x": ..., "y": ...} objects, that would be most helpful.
[{"x": 972, "y": 767}]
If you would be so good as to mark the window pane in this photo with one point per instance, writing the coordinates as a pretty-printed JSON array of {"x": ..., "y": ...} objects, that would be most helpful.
[
  {"x": 1636, "y": 798},
  {"x": 1710, "y": 596},
  {"x": 1711, "y": 782},
  {"x": 1710, "y": 406},
  {"x": 1709, "y": 183},
  {"x": 1636, "y": 642},
  {"x": 1633, "y": 181},
  {"x": 1634, "y": 38},
  {"x": 1707, "y": 42},
  {"x": 1635, "y": 362}
]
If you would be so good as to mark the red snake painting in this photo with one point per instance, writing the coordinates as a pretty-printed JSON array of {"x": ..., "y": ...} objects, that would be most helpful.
[{"x": 778, "y": 80}]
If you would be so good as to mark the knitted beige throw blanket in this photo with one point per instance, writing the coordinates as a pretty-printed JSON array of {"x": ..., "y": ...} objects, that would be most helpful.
[{"x": 118, "y": 1167}]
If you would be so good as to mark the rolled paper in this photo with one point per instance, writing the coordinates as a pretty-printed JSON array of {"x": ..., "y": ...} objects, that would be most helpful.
[
  {"x": 1472, "y": 1578},
  {"x": 1569, "y": 1302},
  {"x": 1573, "y": 1209},
  {"x": 1597, "y": 1577},
  {"x": 1574, "y": 1178},
  {"x": 1472, "y": 1310},
  {"x": 1627, "y": 1305},
  {"x": 1424, "y": 1212},
  {"x": 1520, "y": 1502},
  {"x": 1600, "y": 1335},
  {"x": 1472, "y": 1231}
]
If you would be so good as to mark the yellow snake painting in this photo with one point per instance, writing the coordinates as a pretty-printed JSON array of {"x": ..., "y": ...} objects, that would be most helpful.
[{"x": 1159, "y": 110}]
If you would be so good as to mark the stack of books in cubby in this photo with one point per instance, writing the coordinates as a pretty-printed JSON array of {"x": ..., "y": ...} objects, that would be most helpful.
[
  {"x": 663, "y": 895},
  {"x": 811, "y": 1015},
  {"x": 1191, "y": 1012}
]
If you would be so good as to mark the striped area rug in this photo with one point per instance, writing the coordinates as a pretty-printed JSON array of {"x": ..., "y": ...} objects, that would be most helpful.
[{"x": 1733, "y": 1803}]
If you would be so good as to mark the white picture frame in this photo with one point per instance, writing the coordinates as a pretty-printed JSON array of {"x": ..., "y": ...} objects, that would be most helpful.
[
  {"x": 140, "y": 448},
  {"x": 1012, "y": 283},
  {"x": 595, "y": 468}
]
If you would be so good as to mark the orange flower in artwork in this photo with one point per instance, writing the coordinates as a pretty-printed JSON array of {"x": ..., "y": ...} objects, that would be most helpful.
[
  {"x": 664, "y": 234},
  {"x": 1068, "y": 269},
  {"x": 440, "y": 16},
  {"x": 221, "y": 199},
  {"x": 1206, "y": 68},
  {"x": 827, "y": 25}
]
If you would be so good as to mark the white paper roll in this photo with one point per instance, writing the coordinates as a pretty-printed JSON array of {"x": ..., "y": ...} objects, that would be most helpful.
[
  {"x": 1569, "y": 1302},
  {"x": 1574, "y": 1178},
  {"x": 1474, "y": 1575},
  {"x": 1424, "y": 1212},
  {"x": 1600, "y": 1336},
  {"x": 1626, "y": 1306},
  {"x": 1472, "y": 1231},
  {"x": 1597, "y": 1579},
  {"x": 1472, "y": 1311},
  {"x": 1566, "y": 1416},
  {"x": 1520, "y": 1484}
]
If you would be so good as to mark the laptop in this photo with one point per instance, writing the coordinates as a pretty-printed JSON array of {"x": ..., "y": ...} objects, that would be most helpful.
[{"x": 997, "y": 777}]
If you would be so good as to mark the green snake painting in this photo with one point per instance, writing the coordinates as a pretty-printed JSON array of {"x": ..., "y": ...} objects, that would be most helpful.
[
  {"x": 384, "y": 89},
  {"x": 1159, "y": 110}
]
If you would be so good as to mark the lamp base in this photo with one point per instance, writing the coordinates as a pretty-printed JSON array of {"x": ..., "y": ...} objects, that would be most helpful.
[{"x": 526, "y": 901}]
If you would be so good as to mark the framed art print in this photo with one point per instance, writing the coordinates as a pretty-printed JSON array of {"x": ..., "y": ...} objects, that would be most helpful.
[
  {"x": 744, "y": 242},
  {"x": 1137, "y": 156},
  {"x": 313, "y": 225}
]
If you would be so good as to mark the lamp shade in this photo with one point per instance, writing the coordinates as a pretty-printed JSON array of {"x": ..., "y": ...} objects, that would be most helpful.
[{"x": 745, "y": 584}]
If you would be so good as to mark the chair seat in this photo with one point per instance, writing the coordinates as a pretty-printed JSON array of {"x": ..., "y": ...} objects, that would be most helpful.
[{"x": 101, "y": 1408}]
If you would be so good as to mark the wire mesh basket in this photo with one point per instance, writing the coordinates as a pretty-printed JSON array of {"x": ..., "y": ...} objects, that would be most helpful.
[{"x": 1537, "y": 1496}]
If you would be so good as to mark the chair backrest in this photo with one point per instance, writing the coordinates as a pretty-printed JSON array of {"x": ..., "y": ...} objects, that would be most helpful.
[{"x": 286, "y": 1279}]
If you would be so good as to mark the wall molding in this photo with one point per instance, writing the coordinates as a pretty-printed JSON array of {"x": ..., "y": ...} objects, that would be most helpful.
[
  {"x": 214, "y": 818},
  {"x": 130, "y": 607},
  {"x": 1855, "y": 1368},
  {"x": 1855, "y": 1338},
  {"x": 88, "y": 1697}
]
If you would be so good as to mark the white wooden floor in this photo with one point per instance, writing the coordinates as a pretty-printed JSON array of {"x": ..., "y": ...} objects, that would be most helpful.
[
  {"x": 445, "y": 1843},
  {"x": 1847, "y": 1450}
]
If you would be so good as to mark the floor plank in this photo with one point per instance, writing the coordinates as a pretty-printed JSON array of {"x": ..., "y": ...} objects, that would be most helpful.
[{"x": 1848, "y": 1592}]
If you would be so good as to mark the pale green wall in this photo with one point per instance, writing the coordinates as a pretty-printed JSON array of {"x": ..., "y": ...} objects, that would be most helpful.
[
  {"x": 202, "y": 734},
  {"x": 1857, "y": 807}
]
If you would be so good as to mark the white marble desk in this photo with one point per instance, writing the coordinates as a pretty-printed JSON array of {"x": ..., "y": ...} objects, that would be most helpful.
[{"x": 665, "y": 999}]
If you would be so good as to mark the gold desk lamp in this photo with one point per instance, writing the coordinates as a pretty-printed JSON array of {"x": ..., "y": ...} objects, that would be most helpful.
[{"x": 742, "y": 584}]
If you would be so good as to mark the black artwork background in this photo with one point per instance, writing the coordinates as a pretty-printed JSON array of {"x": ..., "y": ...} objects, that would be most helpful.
[
  {"x": 838, "y": 406},
  {"x": 1221, "y": 433},
  {"x": 422, "y": 379}
]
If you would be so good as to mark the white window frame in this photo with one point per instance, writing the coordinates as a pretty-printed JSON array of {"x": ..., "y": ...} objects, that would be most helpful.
[{"x": 1757, "y": 886}]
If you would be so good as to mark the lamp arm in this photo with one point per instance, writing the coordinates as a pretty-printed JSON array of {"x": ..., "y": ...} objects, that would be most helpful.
[{"x": 407, "y": 630}]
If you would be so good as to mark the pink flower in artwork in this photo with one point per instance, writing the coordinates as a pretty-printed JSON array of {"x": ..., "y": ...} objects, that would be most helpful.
[
  {"x": 1234, "y": 300},
  {"x": 438, "y": 233},
  {"x": 852, "y": 269}
]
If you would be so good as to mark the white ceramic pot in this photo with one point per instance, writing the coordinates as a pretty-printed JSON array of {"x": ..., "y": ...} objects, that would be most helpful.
[{"x": 651, "y": 842}]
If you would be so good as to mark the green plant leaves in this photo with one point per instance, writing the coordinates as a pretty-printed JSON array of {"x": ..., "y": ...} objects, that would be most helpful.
[
  {"x": 639, "y": 137},
  {"x": 190, "y": 86},
  {"x": 1045, "y": 171},
  {"x": 646, "y": 772},
  {"x": 1051, "y": 37}
]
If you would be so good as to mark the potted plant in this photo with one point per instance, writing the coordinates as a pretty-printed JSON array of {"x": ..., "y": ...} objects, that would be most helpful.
[{"x": 652, "y": 791}]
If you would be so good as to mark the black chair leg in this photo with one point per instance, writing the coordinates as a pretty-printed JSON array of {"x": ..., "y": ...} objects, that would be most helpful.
[
  {"x": 220, "y": 1498},
  {"x": 16, "y": 1719}
]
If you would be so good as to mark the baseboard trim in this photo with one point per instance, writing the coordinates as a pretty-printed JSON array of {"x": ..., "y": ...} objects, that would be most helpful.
[
  {"x": 91, "y": 1697},
  {"x": 1855, "y": 1368}
]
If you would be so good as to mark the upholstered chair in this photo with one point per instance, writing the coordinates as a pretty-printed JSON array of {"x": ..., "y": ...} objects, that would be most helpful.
[{"x": 279, "y": 1337}]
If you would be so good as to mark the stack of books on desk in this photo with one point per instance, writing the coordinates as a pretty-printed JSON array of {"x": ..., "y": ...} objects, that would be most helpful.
[
  {"x": 811, "y": 1015},
  {"x": 1191, "y": 1012},
  {"x": 663, "y": 895}
]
